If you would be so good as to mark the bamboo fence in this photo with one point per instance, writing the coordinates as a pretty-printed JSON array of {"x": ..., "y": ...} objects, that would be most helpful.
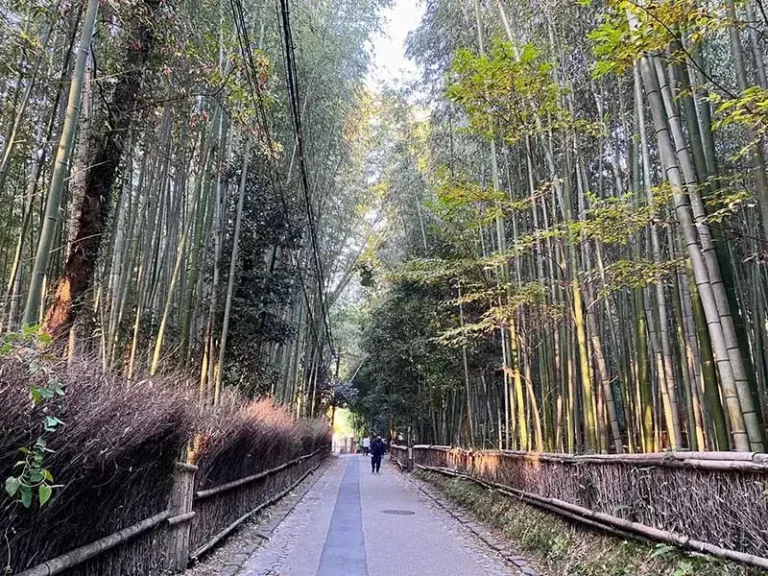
[
  {"x": 193, "y": 523},
  {"x": 709, "y": 502}
]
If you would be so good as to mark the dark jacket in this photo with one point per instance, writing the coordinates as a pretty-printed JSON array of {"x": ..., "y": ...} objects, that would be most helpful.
[{"x": 377, "y": 448}]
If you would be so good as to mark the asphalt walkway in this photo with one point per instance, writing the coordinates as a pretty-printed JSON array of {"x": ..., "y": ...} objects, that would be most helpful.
[{"x": 355, "y": 523}]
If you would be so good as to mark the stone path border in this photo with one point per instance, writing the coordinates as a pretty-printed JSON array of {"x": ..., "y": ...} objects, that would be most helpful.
[{"x": 509, "y": 555}]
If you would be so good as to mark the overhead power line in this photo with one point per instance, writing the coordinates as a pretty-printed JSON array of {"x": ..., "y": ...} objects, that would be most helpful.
[
  {"x": 293, "y": 91},
  {"x": 252, "y": 74}
]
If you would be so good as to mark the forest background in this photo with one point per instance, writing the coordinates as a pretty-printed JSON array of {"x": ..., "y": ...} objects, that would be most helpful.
[{"x": 552, "y": 239}]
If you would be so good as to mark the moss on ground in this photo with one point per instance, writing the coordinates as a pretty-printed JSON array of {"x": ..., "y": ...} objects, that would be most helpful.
[{"x": 563, "y": 548}]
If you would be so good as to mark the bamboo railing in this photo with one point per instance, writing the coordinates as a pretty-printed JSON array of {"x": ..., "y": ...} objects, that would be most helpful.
[
  {"x": 399, "y": 455},
  {"x": 193, "y": 523},
  {"x": 709, "y": 502}
]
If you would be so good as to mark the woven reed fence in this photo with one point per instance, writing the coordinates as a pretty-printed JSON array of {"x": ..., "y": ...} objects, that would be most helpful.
[
  {"x": 193, "y": 523},
  {"x": 399, "y": 455},
  {"x": 711, "y": 502}
]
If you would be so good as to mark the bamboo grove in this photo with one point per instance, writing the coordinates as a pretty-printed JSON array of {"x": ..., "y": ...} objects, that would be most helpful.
[
  {"x": 180, "y": 184},
  {"x": 577, "y": 217}
]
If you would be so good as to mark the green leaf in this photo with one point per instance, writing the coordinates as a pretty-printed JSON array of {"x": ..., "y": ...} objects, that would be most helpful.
[
  {"x": 47, "y": 475},
  {"x": 44, "y": 494},
  {"x": 26, "y": 496},
  {"x": 51, "y": 423},
  {"x": 684, "y": 568},
  {"x": 12, "y": 485}
]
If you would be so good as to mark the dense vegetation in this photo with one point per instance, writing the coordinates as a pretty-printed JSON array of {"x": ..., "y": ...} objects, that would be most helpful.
[
  {"x": 212, "y": 228},
  {"x": 180, "y": 191},
  {"x": 577, "y": 216},
  {"x": 556, "y": 239},
  {"x": 180, "y": 185}
]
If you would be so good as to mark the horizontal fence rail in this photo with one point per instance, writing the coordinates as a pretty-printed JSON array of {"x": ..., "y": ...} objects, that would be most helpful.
[
  {"x": 80, "y": 555},
  {"x": 202, "y": 494},
  {"x": 399, "y": 455},
  {"x": 193, "y": 523},
  {"x": 710, "y": 502},
  {"x": 220, "y": 510}
]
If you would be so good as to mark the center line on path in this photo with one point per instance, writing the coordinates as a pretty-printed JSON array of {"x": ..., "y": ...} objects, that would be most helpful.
[{"x": 344, "y": 549}]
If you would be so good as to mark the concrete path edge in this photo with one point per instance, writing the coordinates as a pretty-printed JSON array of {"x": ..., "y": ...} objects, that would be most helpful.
[
  {"x": 301, "y": 490},
  {"x": 511, "y": 557}
]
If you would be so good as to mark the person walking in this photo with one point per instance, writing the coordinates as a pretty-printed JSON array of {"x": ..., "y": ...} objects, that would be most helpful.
[
  {"x": 377, "y": 451},
  {"x": 366, "y": 445}
]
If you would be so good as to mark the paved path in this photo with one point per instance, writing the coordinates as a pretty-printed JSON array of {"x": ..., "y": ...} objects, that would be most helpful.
[{"x": 354, "y": 523}]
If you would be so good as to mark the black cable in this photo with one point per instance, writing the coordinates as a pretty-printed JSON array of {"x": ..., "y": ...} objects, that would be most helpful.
[
  {"x": 275, "y": 181},
  {"x": 251, "y": 72},
  {"x": 293, "y": 90}
]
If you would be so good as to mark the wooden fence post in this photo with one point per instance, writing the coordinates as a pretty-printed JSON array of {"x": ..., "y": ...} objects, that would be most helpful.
[{"x": 180, "y": 509}]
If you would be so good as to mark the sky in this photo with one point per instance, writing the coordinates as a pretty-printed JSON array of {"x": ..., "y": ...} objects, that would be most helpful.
[
  {"x": 390, "y": 65},
  {"x": 389, "y": 68}
]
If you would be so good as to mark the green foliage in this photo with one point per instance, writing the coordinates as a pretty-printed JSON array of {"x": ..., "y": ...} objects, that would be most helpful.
[
  {"x": 636, "y": 273},
  {"x": 529, "y": 298},
  {"x": 726, "y": 202},
  {"x": 405, "y": 370},
  {"x": 611, "y": 44},
  {"x": 510, "y": 90},
  {"x": 467, "y": 204},
  {"x": 366, "y": 274},
  {"x": 30, "y": 478},
  {"x": 613, "y": 220},
  {"x": 749, "y": 110},
  {"x": 659, "y": 24},
  {"x": 30, "y": 474}
]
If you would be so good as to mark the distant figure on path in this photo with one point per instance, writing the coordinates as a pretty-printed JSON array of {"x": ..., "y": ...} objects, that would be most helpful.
[
  {"x": 377, "y": 451},
  {"x": 366, "y": 445}
]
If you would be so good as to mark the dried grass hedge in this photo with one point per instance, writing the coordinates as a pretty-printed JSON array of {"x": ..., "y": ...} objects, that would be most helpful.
[
  {"x": 115, "y": 457},
  {"x": 237, "y": 441}
]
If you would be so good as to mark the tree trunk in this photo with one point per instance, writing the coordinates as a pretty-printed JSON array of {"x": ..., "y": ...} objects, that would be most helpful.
[
  {"x": 94, "y": 210},
  {"x": 35, "y": 296},
  {"x": 698, "y": 265}
]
